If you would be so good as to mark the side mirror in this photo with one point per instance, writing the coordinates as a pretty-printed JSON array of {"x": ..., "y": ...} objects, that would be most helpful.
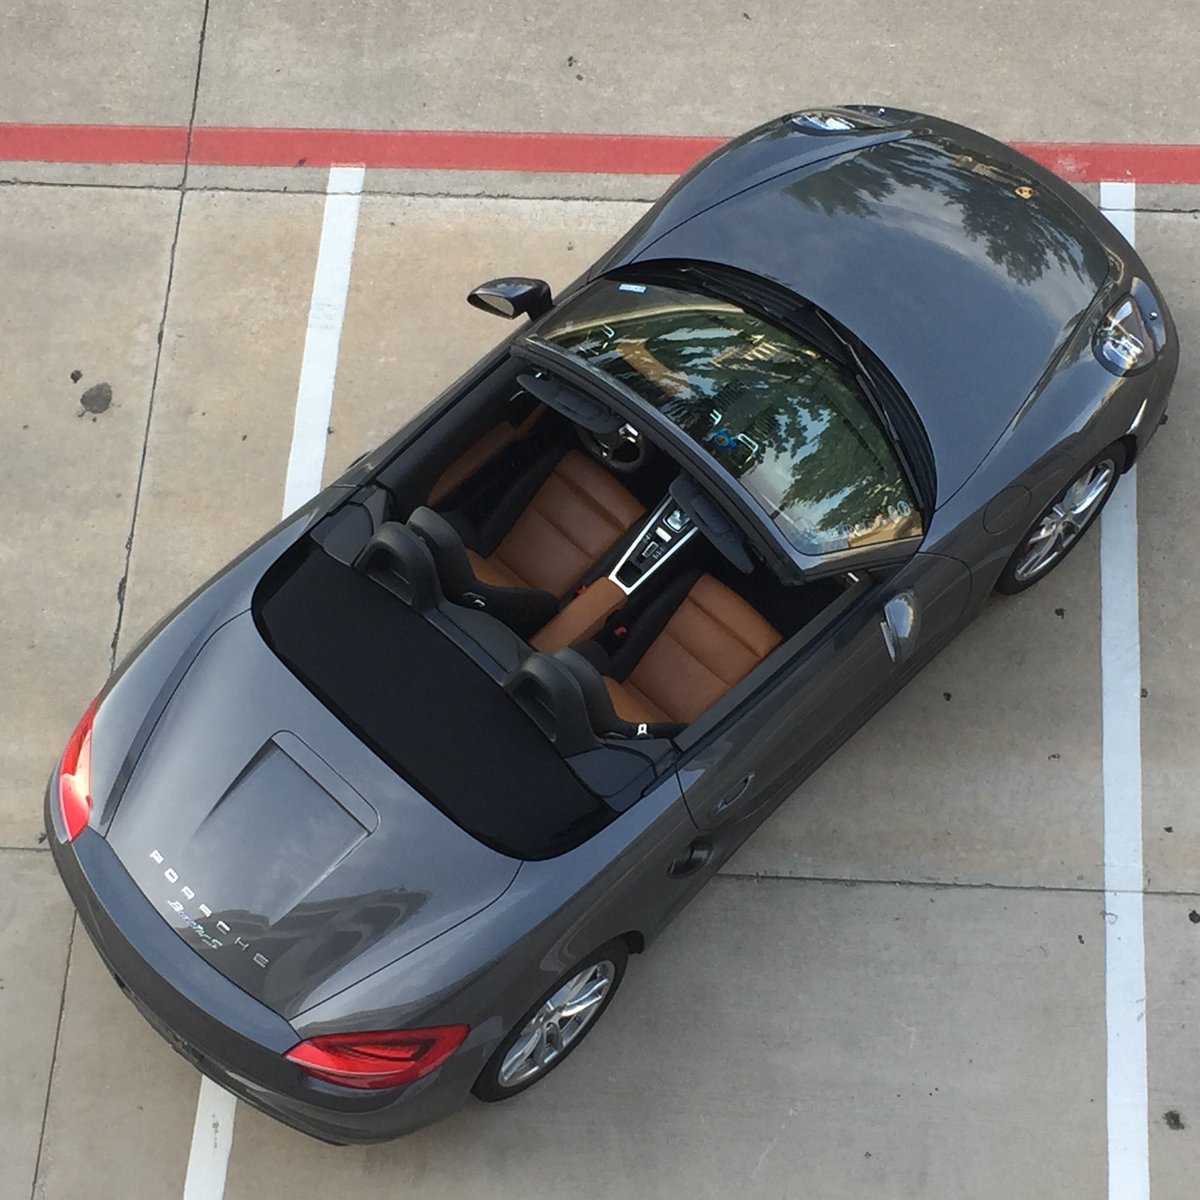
[{"x": 513, "y": 296}]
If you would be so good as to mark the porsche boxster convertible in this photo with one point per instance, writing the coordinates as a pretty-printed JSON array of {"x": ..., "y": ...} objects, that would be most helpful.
[{"x": 375, "y": 820}]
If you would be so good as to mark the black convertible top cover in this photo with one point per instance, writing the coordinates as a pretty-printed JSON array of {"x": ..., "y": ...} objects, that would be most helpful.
[{"x": 425, "y": 708}]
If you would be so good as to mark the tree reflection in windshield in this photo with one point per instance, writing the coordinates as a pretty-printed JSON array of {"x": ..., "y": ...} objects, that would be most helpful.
[{"x": 779, "y": 415}]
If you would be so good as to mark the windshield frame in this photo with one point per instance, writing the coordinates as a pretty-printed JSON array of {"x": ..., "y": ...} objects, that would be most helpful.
[{"x": 797, "y": 318}]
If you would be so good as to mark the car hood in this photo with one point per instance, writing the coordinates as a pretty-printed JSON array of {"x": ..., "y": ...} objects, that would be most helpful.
[{"x": 278, "y": 846}]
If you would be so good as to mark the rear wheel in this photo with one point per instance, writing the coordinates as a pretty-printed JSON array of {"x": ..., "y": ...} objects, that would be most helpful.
[
  {"x": 1057, "y": 531},
  {"x": 550, "y": 1030}
]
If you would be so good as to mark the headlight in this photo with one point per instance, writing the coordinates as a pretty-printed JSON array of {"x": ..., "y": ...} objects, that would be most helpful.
[{"x": 1124, "y": 342}]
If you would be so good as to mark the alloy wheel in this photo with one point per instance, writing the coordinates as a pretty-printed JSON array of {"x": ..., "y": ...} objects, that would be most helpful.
[
  {"x": 1065, "y": 520},
  {"x": 559, "y": 1022}
]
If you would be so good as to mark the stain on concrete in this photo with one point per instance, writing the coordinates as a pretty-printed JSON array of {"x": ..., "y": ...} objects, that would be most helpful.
[
  {"x": 1060, "y": 613},
  {"x": 1194, "y": 917},
  {"x": 97, "y": 398},
  {"x": 947, "y": 695},
  {"x": 1173, "y": 1119},
  {"x": 76, "y": 375}
]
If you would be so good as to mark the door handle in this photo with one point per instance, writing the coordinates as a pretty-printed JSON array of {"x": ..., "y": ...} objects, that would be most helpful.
[
  {"x": 692, "y": 859},
  {"x": 900, "y": 626},
  {"x": 736, "y": 794}
]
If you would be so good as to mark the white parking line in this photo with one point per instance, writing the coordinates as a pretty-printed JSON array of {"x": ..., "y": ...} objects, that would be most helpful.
[
  {"x": 1124, "y": 942},
  {"x": 212, "y": 1137},
  {"x": 212, "y": 1132},
  {"x": 314, "y": 401}
]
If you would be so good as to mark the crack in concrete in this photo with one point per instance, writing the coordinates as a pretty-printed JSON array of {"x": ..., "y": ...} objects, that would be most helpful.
[{"x": 182, "y": 189}]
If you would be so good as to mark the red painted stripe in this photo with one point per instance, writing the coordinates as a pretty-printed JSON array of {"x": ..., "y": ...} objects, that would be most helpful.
[
  {"x": 461, "y": 150},
  {"x": 93, "y": 143},
  {"x": 1091, "y": 162},
  {"x": 455, "y": 150}
]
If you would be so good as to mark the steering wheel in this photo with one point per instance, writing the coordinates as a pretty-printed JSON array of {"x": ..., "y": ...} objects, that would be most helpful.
[{"x": 624, "y": 450}]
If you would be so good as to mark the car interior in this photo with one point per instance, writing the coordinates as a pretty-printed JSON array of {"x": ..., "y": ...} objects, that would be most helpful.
[{"x": 577, "y": 563}]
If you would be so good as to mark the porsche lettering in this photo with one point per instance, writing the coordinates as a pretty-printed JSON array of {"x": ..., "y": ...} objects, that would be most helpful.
[{"x": 198, "y": 927}]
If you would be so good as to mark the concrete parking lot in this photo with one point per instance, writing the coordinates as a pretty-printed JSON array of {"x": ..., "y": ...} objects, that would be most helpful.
[{"x": 903, "y": 985}]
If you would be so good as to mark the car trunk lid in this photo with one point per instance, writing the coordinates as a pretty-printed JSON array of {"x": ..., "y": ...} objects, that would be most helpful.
[{"x": 278, "y": 864}]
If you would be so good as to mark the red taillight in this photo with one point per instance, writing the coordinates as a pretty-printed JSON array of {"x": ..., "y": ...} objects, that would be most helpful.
[
  {"x": 377, "y": 1060},
  {"x": 75, "y": 777}
]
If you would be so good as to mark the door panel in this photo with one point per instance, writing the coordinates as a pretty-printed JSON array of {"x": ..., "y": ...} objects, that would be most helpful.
[{"x": 731, "y": 780}]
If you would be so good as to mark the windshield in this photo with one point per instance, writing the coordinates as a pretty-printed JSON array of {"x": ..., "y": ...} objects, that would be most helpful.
[{"x": 787, "y": 421}]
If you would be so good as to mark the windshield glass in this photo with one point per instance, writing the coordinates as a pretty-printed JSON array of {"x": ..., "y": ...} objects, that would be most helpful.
[{"x": 784, "y": 419}]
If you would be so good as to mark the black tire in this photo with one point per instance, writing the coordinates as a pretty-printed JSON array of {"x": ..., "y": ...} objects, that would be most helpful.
[
  {"x": 1016, "y": 576},
  {"x": 489, "y": 1086}
]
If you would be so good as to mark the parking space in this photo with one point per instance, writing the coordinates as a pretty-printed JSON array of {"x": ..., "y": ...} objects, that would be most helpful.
[
  {"x": 790, "y": 1038},
  {"x": 409, "y": 332},
  {"x": 1003, "y": 789},
  {"x": 218, "y": 445},
  {"x": 85, "y": 283},
  {"x": 897, "y": 987}
]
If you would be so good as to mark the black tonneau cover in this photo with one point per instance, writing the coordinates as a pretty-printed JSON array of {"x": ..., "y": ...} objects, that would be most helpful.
[{"x": 424, "y": 707}]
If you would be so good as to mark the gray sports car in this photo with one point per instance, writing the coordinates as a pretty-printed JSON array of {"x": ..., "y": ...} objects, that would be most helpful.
[{"x": 377, "y": 817}]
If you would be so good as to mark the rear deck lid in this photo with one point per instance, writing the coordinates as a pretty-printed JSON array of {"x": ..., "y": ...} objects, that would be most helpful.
[{"x": 280, "y": 863}]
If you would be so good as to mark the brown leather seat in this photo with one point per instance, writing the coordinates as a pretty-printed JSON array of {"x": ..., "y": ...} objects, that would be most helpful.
[
  {"x": 572, "y": 521},
  {"x": 478, "y": 455},
  {"x": 713, "y": 640}
]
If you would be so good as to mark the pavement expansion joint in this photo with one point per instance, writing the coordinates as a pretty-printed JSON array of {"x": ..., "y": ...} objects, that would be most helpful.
[
  {"x": 945, "y": 885},
  {"x": 141, "y": 470},
  {"x": 399, "y": 193},
  {"x": 62, "y": 1004}
]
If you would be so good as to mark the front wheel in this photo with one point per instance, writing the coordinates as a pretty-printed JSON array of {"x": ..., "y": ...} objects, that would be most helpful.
[
  {"x": 1057, "y": 531},
  {"x": 550, "y": 1030}
]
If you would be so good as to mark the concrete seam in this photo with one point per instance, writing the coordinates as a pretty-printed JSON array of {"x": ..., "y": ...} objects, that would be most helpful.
[
  {"x": 122, "y": 585},
  {"x": 446, "y": 194},
  {"x": 941, "y": 885},
  {"x": 62, "y": 1004},
  {"x": 191, "y": 129},
  {"x": 319, "y": 191}
]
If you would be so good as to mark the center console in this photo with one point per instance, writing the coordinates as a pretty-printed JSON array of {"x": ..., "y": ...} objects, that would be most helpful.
[{"x": 668, "y": 528}]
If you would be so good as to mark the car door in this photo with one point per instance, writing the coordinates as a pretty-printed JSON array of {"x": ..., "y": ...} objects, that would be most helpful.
[{"x": 735, "y": 774}]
